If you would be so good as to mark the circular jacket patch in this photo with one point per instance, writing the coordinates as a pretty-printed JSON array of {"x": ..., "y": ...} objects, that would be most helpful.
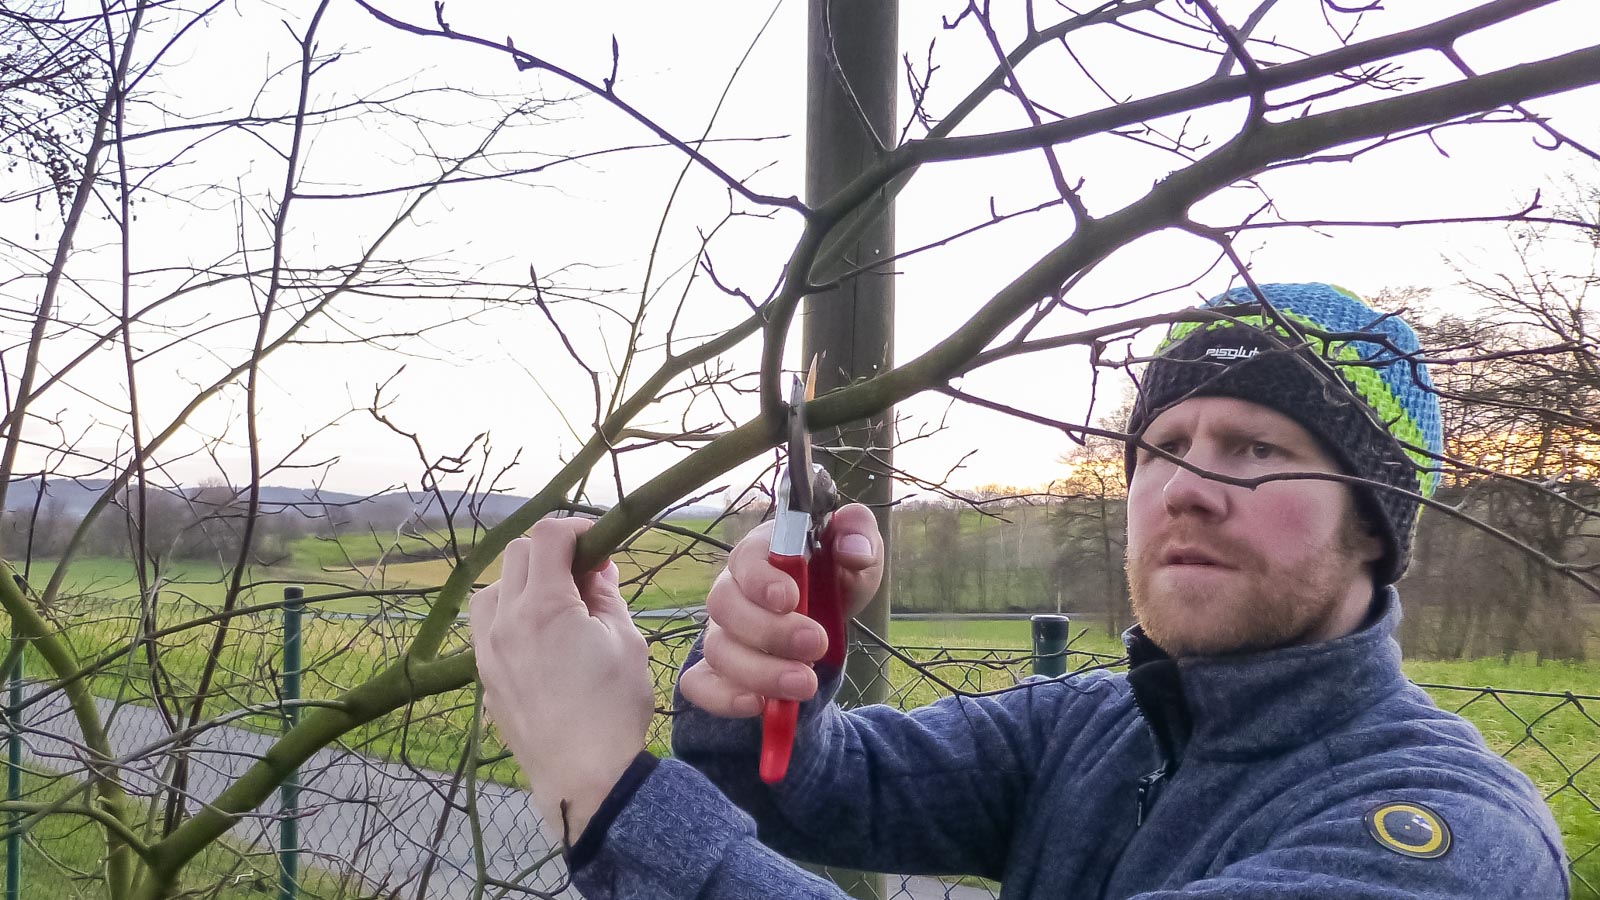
[{"x": 1409, "y": 829}]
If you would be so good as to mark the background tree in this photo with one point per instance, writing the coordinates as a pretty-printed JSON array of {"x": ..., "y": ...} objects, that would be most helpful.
[
  {"x": 1091, "y": 523},
  {"x": 49, "y": 83},
  {"x": 1521, "y": 414}
]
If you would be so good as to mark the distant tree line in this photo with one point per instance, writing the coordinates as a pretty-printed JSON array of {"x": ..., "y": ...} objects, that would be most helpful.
[
  {"x": 200, "y": 523},
  {"x": 1522, "y": 434},
  {"x": 207, "y": 523},
  {"x": 1468, "y": 593}
]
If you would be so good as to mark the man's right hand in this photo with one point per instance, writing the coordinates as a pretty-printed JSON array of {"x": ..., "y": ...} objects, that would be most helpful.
[{"x": 756, "y": 644}]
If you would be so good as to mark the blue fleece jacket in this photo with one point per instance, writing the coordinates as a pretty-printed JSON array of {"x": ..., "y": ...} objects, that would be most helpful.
[{"x": 1305, "y": 772}]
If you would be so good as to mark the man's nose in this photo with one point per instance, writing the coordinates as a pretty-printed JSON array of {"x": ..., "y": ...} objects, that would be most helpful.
[{"x": 1191, "y": 493}]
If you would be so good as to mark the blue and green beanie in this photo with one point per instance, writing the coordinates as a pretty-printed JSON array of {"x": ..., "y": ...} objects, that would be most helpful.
[{"x": 1346, "y": 373}]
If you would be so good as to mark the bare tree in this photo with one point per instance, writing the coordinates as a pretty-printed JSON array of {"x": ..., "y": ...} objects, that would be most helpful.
[
  {"x": 1091, "y": 522},
  {"x": 168, "y": 283},
  {"x": 1522, "y": 402},
  {"x": 1225, "y": 104}
]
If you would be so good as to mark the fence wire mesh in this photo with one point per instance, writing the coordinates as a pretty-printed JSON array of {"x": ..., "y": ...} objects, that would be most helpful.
[{"x": 423, "y": 803}]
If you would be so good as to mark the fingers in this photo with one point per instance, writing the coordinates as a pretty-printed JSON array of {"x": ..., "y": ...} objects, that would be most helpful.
[
  {"x": 751, "y": 578},
  {"x": 761, "y": 625},
  {"x": 751, "y": 671},
  {"x": 756, "y": 648},
  {"x": 858, "y": 553},
  {"x": 756, "y": 578},
  {"x": 481, "y": 611},
  {"x": 514, "y": 568},
  {"x": 757, "y": 645},
  {"x": 702, "y": 686},
  {"x": 552, "y": 544},
  {"x": 536, "y": 578},
  {"x": 538, "y": 585}
]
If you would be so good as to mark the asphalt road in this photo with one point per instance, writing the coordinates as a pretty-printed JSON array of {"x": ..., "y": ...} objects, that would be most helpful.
[{"x": 359, "y": 815}]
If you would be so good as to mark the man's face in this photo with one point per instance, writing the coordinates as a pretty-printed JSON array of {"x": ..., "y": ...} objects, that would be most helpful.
[{"x": 1216, "y": 568}]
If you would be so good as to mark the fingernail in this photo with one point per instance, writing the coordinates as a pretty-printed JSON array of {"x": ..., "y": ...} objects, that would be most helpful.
[
  {"x": 778, "y": 598},
  {"x": 804, "y": 644},
  {"x": 794, "y": 685},
  {"x": 855, "y": 545},
  {"x": 749, "y": 704}
]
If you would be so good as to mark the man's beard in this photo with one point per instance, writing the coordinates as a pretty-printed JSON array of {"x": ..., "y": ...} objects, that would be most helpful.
[{"x": 1261, "y": 604}]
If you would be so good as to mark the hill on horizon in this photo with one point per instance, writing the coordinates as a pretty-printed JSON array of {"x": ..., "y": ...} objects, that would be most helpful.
[{"x": 74, "y": 497}]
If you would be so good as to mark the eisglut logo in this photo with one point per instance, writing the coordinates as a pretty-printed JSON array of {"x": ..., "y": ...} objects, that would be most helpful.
[{"x": 1230, "y": 353}]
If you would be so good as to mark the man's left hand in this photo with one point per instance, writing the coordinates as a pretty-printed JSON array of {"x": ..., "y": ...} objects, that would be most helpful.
[{"x": 565, "y": 673}]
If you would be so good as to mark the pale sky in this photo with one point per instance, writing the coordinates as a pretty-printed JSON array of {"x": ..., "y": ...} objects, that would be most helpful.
[{"x": 509, "y": 375}]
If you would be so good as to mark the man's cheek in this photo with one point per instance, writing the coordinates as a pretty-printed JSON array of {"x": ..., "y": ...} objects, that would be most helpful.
[{"x": 1289, "y": 519}]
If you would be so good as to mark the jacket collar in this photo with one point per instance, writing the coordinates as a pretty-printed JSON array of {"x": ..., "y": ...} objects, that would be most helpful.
[{"x": 1268, "y": 702}]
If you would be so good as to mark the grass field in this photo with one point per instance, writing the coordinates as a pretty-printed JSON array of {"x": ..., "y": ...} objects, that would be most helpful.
[
  {"x": 658, "y": 569},
  {"x": 1552, "y": 739}
]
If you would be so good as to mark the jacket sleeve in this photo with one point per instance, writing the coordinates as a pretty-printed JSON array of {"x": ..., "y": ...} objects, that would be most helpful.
[
  {"x": 678, "y": 838},
  {"x": 1498, "y": 848},
  {"x": 934, "y": 791}
]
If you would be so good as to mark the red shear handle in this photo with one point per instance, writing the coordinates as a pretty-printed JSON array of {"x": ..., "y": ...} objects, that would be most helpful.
[
  {"x": 821, "y": 600},
  {"x": 826, "y": 606},
  {"x": 779, "y": 717}
]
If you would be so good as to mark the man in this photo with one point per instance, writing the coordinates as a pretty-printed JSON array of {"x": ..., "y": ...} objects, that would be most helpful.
[{"x": 1263, "y": 744}]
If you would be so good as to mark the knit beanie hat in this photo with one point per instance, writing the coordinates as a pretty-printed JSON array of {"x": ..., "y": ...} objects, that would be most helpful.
[{"x": 1346, "y": 373}]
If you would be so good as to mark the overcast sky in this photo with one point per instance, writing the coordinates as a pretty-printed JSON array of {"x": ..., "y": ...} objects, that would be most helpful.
[{"x": 595, "y": 223}]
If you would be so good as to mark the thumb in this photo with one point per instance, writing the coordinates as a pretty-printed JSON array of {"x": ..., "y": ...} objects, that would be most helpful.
[
  {"x": 602, "y": 595},
  {"x": 858, "y": 554}
]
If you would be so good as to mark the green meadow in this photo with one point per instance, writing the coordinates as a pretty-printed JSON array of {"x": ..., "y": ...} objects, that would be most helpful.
[{"x": 1551, "y": 738}]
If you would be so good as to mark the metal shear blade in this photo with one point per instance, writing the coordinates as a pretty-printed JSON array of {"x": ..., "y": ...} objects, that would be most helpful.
[{"x": 800, "y": 470}]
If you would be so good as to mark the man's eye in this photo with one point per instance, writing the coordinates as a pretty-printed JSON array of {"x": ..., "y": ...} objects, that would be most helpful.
[
  {"x": 1153, "y": 450},
  {"x": 1264, "y": 450}
]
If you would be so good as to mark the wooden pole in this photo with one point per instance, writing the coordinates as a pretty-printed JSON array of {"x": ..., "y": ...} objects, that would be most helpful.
[{"x": 851, "y": 73}]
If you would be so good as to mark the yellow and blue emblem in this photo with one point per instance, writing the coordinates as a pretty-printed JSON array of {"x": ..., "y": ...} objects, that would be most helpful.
[{"x": 1409, "y": 829}]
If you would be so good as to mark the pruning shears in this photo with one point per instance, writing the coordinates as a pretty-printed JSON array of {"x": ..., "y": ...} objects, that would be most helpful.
[{"x": 806, "y": 499}]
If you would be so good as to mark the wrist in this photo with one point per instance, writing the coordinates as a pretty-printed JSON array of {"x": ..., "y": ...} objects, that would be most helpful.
[
  {"x": 566, "y": 817},
  {"x": 587, "y": 845},
  {"x": 570, "y": 806},
  {"x": 567, "y": 814}
]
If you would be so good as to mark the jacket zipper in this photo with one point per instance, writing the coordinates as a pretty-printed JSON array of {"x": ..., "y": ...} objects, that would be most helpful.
[{"x": 1146, "y": 797}]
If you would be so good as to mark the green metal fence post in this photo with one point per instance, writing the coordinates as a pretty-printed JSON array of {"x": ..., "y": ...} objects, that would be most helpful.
[
  {"x": 1050, "y": 644},
  {"x": 14, "y": 779},
  {"x": 288, "y": 824}
]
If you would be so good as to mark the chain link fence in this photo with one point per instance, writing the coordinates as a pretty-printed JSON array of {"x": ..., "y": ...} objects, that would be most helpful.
[
  {"x": 422, "y": 803},
  {"x": 1555, "y": 739}
]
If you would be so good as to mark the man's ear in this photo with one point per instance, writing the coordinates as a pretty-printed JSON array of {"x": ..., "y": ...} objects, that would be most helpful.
[
  {"x": 1364, "y": 538},
  {"x": 1372, "y": 547}
]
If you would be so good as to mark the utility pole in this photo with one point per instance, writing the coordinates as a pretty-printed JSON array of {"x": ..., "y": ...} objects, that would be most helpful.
[{"x": 851, "y": 73}]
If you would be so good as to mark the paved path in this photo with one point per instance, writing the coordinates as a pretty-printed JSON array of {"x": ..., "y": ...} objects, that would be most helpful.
[{"x": 379, "y": 819}]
